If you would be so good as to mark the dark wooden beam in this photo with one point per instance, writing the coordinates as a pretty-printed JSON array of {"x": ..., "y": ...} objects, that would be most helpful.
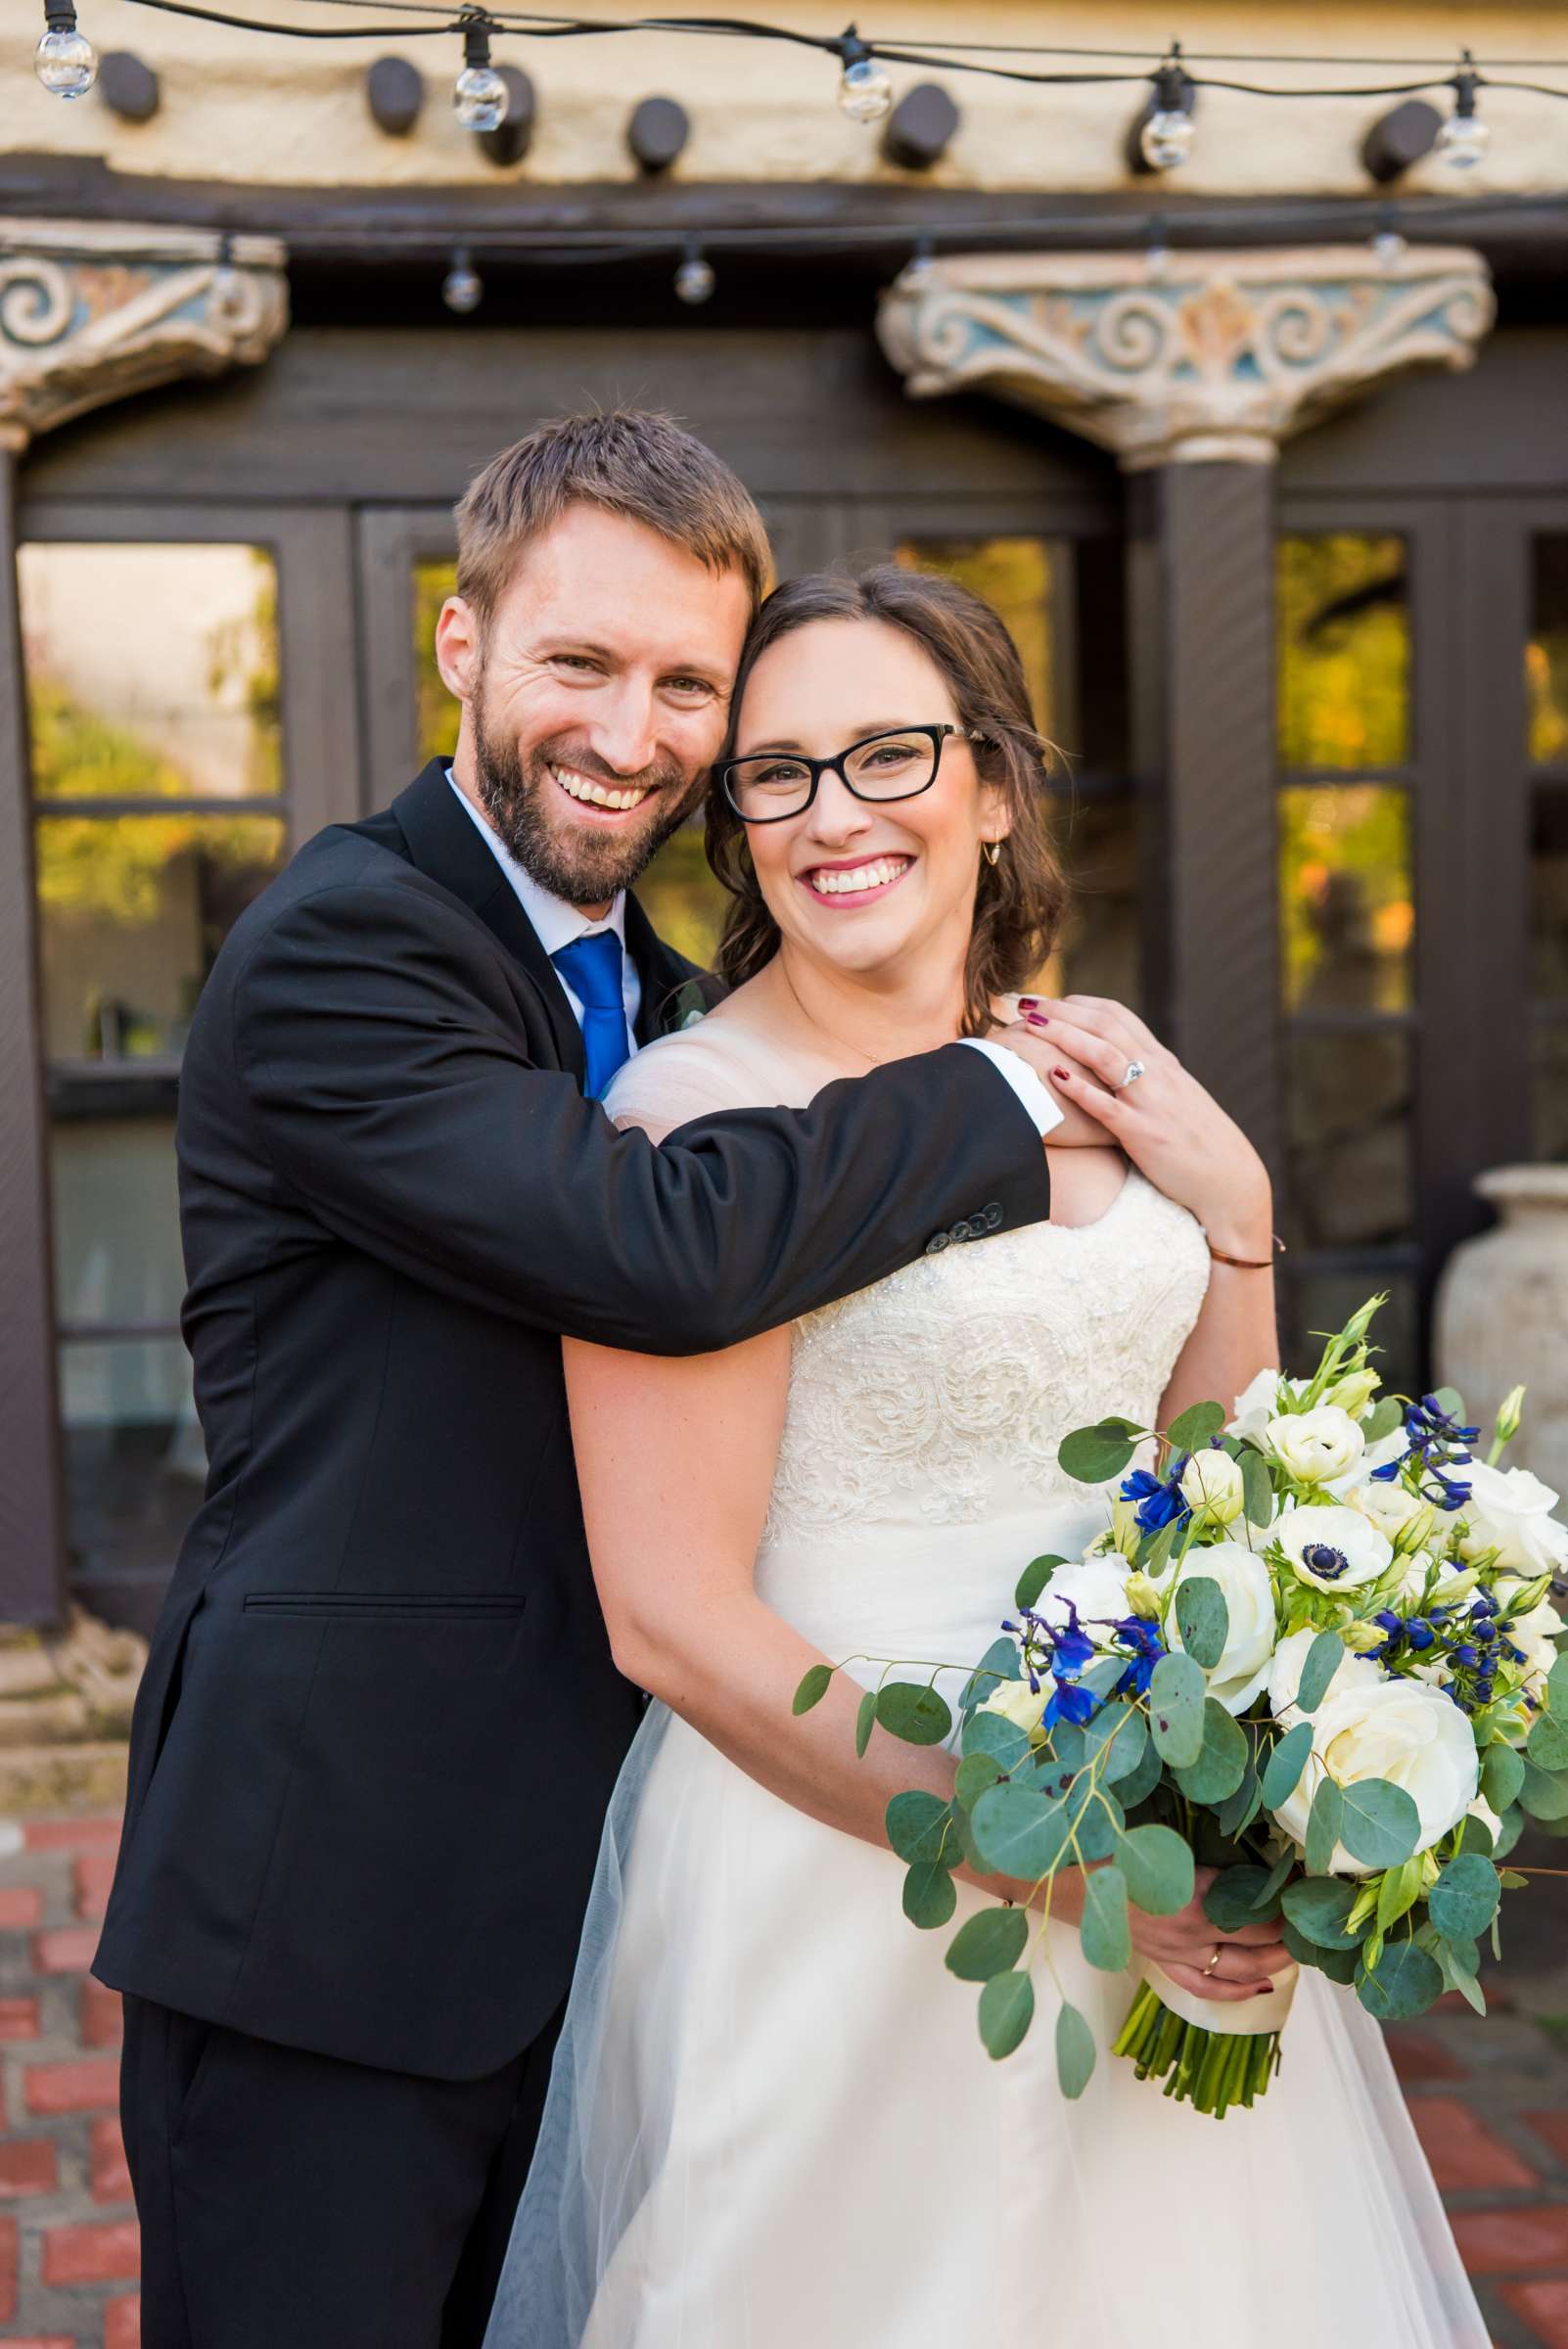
[{"x": 32, "y": 1544}]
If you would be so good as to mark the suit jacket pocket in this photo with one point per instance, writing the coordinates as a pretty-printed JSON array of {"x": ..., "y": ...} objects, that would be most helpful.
[{"x": 387, "y": 1606}]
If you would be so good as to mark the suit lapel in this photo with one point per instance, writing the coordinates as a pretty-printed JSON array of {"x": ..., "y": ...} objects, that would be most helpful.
[
  {"x": 660, "y": 969},
  {"x": 445, "y": 843}
]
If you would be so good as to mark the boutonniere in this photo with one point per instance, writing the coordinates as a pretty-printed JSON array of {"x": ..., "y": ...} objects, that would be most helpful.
[{"x": 685, "y": 1005}]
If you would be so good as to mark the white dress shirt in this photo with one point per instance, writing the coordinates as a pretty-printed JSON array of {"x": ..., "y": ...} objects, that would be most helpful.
[{"x": 556, "y": 924}]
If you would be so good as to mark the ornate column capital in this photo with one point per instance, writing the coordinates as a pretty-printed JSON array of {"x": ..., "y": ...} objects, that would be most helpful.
[
  {"x": 93, "y": 311},
  {"x": 1217, "y": 355}
]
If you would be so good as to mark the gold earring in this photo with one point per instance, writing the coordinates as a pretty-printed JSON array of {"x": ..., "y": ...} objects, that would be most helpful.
[{"x": 990, "y": 849}]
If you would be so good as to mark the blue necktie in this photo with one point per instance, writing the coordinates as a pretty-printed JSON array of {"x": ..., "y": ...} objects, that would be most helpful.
[{"x": 591, "y": 968}]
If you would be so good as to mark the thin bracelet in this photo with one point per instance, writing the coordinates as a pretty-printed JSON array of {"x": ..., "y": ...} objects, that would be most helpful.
[{"x": 1249, "y": 1264}]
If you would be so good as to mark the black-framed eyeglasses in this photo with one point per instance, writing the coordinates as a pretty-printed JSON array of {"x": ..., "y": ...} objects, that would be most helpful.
[{"x": 896, "y": 765}]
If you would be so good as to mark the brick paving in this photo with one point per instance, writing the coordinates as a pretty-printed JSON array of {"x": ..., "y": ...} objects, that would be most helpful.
[{"x": 1490, "y": 2101}]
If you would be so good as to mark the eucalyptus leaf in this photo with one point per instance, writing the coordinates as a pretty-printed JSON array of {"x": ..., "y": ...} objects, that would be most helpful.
[
  {"x": 1157, "y": 1863},
  {"x": 1388, "y": 1414},
  {"x": 1405, "y": 1982},
  {"x": 1098, "y": 1821},
  {"x": 1257, "y": 1488},
  {"x": 1192, "y": 1430},
  {"x": 1318, "y": 1907},
  {"x": 1102, "y": 1676},
  {"x": 1237, "y": 1811},
  {"x": 1074, "y": 2050},
  {"x": 910, "y": 1711},
  {"x": 866, "y": 1722},
  {"x": 1231, "y": 1900},
  {"x": 992, "y": 1734},
  {"x": 1069, "y": 1744},
  {"x": 1323, "y": 1824},
  {"x": 1463, "y": 1901},
  {"x": 1323, "y": 1662},
  {"x": 1381, "y": 1825},
  {"x": 1177, "y": 1695},
  {"x": 976, "y": 1771},
  {"x": 1510, "y": 1829},
  {"x": 1203, "y": 1619},
  {"x": 1093, "y": 1454},
  {"x": 1543, "y": 1793},
  {"x": 1006, "y": 2010},
  {"x": 1340, "y": 1965},
  {"x": 987, "y": 1943},
  {"x": 1557, "y": 1686},
  {"x": 1282, "y": 1771},
  {"x": 1475, "y": 1835},
  {"x": 1502, "y": 1776},
  {"x": 814, "y": 1687},
  {"x": 1120, "y": 1736},
  {"x": 1279, "y": 1876},
  {"x": 1222, "y": 1761},
  {"x": 915, "y": 1822},
  {"x": 1019, "y": 1832},
  {"x": 1458, "y": 1963},
  {"x": 930, "y": 1895},
  {"x": 1000, "y": 1662},
  {"x": 1154, "y": 1550},
  {"x": 1103, "y": 1933},
  {"x": 1139, "y": 1783},
  {"x": 1034, "y": 1579},
  {"x": 1547, "y": 1742}
]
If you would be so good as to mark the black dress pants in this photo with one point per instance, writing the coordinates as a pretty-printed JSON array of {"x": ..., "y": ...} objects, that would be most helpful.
[{"x": 292, "y": 2201}]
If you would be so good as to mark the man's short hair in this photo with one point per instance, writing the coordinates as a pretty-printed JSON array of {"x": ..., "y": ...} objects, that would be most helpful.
[{"x": 630, "y": 461}]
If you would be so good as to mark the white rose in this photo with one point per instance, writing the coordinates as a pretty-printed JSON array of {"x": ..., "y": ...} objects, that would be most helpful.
[
  {"x": 1211, "y": 1480},
  {"x": 1260, "y": 1402},
  {"x": 1018, "y": 1703},
  {"x": 1392, "y": 1447},
  {"x": 1537, "y": 1635},
  {"x": 1289, "y": 1663},
  {"x": 1509, "y": 1510},
  {"x": 1332, "y": 1547},
  {"x": 1249, "y": 1596},
  {"x": 1391, "y": 1509},
  {"x": 1317, "y": 1444},
  {"x": 1401, "y": 1731},
  {"x": 1096, "y": 1587}
]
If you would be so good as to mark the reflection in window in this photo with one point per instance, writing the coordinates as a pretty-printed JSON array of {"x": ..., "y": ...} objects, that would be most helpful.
[
  {"x": 152, "y": 671},
  {"x": 134, "y": 1459},
  {"x": 131, "y": 912},
  {"x": 1100, "y": 949},
  {"x": 1347, "y": 914},
  {"x": 116, "y": 1242},
  {"x": 1343, "y": 652},
  {"x": 435, "y": 713},
  {"x": 1022, "y": 580},
  {"x": 1546, "y": 655},
  {"x": 1350, "y": 1176}
]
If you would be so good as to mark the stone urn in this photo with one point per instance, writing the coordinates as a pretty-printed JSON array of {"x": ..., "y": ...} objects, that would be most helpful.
[{"x": 1502, "y": 1316}]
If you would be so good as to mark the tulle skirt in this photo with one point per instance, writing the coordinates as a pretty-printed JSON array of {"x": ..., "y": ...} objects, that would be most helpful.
[{"x": 771, "y": 2122}]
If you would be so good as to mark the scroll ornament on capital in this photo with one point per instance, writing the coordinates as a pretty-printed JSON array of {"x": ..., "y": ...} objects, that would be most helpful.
[
  {"x": 1215, "y": 355},
  {"x": 90, "y": 314}
]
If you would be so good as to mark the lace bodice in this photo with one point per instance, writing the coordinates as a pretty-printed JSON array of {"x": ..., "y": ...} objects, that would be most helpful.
[{"x": 938, "y": 1397}]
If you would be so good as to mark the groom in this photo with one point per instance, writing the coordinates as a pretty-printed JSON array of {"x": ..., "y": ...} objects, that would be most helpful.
[{"x": 380, "y": 1722}]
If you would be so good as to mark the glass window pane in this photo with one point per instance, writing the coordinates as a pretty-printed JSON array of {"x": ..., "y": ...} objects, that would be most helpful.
[
  {"x": 1100, "y": 952},
  {"x": 1310, "y": 1301},
  {"x": 435, "y": 713},
  {"x": 1548, "y": 893},
  {"x": 134, "y": 1459},
  {"x": 1023, "y": 580},
  {"x": 1549, "y": 1090},
  {"x": 1349, "y": 1180},
  {"x": 1345, "y": 897},
  {"x": 115, "y": 1221},
  {"x": 133, "y": 911},
  {"x": 1546, "y": 654},
  {"x": 152, "y": 671},
  {"x": 1343, "y": 652}
]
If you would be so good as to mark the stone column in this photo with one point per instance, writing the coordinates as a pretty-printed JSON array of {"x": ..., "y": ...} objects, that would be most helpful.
[
  {"x": 1193, "y": 374},
  {"x": 88, "y": 314}
]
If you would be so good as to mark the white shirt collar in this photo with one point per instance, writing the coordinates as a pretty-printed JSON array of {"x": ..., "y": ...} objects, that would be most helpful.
[{"x": 555, "y": 923}]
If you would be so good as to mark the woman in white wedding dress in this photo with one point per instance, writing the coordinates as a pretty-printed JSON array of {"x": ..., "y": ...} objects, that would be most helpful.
[{"x": 771, "y": 2119}]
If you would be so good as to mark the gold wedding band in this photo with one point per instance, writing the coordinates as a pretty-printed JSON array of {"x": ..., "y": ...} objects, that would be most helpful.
[{"x": 1214, "y": 1960}]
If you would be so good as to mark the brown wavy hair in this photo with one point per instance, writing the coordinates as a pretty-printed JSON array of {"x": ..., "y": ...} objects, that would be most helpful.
[{"x": 1020, "y": 901}]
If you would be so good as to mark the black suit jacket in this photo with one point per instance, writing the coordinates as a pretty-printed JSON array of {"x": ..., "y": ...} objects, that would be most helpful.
[{"x": 380, "y": 1722}]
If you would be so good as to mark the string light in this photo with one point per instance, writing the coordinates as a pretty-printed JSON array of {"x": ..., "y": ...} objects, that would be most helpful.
[
  {"x": 1166, "y": 136},
  {"x": 463, "y": 288},
  {"x": 479, "y": 97},
  {"x": 1157, "y": 252},
  {"x": 1464, "y": 138},
  {"x": 865, "y": 87},
  {"x": 65, "y": 60},
  {"x": 1389, "y": 248},
  {"x": 694, "y": 279}
]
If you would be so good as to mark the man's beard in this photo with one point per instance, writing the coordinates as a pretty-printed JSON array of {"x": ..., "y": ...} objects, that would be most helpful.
[{"x": 584, "y": 868}]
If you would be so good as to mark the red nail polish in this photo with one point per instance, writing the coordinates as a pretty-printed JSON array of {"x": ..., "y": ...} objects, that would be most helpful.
[
  {"x": 1064, "y": 1074},
  {"x": 1028, "y": 1003},
  {"x": 1037, "y": 1019}
]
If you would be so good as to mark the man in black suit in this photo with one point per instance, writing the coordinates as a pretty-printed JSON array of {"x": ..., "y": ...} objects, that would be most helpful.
[{"x": 380, "y": 1722}]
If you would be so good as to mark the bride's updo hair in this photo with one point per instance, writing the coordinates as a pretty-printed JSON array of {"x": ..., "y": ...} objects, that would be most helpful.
[{"x": 1020, "y": 901}]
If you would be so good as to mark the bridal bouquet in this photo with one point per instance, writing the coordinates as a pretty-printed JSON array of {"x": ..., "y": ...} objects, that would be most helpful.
[{"x": 1315, "y": 1649}]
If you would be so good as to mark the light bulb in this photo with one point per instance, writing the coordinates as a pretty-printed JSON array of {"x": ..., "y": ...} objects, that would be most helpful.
[
  {"x": 1389, "y": 248},
  {"x": 463, "y": 288},
  {"x": 694, "y": 279},
  {"x": 1166, "y": 138},
  {"x": 1463, "y": 140},
  {"x": 66, "y": 62},
  {"x": 1157, "y": 261},
  {"x": 480, "y": 98},
  {"x": 865, "y": 90}
]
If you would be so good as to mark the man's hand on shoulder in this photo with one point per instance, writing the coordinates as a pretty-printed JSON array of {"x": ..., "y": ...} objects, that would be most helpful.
[{"x": 1077, "y": 1128}]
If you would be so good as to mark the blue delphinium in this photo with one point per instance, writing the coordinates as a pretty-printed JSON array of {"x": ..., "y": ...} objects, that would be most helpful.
[
  {"x": 1439, "y": 1443},
  {"x": 1159, "y": 1501}
]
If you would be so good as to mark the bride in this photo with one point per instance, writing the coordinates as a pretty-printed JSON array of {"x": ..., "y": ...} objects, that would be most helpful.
[{"x": 771, "y": 2119}]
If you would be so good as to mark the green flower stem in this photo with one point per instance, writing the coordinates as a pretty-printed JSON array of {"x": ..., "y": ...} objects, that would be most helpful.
[{"x": 1210, "y": 2069}]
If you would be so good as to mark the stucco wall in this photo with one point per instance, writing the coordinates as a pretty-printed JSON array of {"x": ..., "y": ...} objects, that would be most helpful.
[{"x": 239, "y": 106}]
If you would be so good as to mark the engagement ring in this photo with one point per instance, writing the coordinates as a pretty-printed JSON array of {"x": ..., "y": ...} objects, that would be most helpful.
[{"x": 1134, "y": 1069}]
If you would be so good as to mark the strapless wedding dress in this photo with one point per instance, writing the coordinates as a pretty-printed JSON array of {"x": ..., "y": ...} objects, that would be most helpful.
[{"x": 771, "y": 2120}]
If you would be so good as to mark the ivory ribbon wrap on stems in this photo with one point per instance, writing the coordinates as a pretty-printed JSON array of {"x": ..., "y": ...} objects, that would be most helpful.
[{"x": 1231, "y": 2018}]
